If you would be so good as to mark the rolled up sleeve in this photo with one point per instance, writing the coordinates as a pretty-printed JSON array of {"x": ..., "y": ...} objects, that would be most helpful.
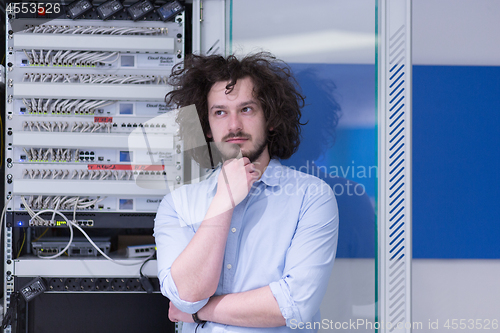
[
  {"x": 309, "y": 260},
  {"x": 172, "y": 235}
]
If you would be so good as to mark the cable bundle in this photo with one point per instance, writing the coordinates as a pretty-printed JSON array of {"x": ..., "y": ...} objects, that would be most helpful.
[
  {"x": 94, "y": 78},
  {"x": 58, "y": 202},
  {"x": 50, "y": 154},
  {"x": 81, "y": 174},
  {"x": 77, "y": 203},
  {"x": 64, "y": 106},
  {"x": 90, "y": 30},
  {"x": 70, "y": 57}
]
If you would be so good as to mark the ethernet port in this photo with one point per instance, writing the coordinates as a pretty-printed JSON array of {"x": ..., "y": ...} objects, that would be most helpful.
[{"x": 75, "y": 251}]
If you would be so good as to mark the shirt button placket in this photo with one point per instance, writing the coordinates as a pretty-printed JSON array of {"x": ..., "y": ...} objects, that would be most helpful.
[{"x": 231, "y": 246}]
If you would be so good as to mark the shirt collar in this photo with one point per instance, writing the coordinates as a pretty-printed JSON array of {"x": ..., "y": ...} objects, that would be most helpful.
[{"x": 271, "y": 176}]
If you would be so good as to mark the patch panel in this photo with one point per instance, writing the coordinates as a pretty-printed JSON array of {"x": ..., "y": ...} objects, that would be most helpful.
[
  {"x": 88, "y": 127},
  {"x": 98, "y": 175},
  {"x": 123, "y": 203},
  {"x": 73, "y": 78},
  {"x": 110, "y": 158},
  {"x": 86, "y": 107}
]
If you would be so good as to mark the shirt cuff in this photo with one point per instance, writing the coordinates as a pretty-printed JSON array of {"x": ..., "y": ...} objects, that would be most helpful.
[
  {"x": 169, "y": 289},
  {"x": 288, "y": 309}
]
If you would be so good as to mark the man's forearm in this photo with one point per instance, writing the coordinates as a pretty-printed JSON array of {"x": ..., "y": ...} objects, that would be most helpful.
[
  {"x": 196, "y": 271},
  {"x": 254, "y": 308}
]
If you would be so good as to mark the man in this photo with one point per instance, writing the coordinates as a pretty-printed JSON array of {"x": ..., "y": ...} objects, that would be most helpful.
[{"x": 253, "y": 245}]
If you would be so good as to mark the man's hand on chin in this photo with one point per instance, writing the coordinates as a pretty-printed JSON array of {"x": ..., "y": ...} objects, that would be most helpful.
[{"x": 176, "y": 315}]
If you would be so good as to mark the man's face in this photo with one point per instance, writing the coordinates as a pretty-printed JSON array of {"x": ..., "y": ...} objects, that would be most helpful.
[{"x": 237, "y": 120}]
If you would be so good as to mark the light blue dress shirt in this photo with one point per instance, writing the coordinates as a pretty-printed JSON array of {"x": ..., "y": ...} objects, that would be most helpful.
[{"x": 283, "y": 234}]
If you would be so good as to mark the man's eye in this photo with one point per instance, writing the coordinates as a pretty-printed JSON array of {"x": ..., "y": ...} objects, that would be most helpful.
[
  {"x": 219, "y": 112},
  {"x": 247, "y": 109}
]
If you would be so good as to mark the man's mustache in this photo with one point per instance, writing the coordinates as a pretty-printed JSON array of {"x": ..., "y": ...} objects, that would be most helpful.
[{"x": 236, "y": 135}]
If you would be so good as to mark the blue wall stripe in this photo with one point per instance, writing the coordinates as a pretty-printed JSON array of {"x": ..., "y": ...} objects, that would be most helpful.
[{"x": 456, "y": 156}]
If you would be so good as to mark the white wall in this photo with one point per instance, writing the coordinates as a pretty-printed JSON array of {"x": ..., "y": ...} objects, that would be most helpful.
[
  {"x": 456, "y": 32},
  {"x": 455, "y": 289}
]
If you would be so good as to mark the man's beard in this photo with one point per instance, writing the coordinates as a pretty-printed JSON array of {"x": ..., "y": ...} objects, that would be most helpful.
[
  {"x": 254, "y": 155},
  {"x": 232, "y": 150}
]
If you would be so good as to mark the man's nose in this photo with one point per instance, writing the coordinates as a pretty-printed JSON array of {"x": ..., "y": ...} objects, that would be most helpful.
[{"x": 235, "y": 124}]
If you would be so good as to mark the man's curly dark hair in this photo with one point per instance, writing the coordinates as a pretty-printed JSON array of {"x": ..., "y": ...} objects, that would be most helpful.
[{"x": 274, "y": 87}]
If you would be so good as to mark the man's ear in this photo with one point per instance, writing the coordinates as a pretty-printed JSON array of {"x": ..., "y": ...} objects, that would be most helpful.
[
  {"x": 271, "y": 129},
  {"x": 209, "y": 134}
]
